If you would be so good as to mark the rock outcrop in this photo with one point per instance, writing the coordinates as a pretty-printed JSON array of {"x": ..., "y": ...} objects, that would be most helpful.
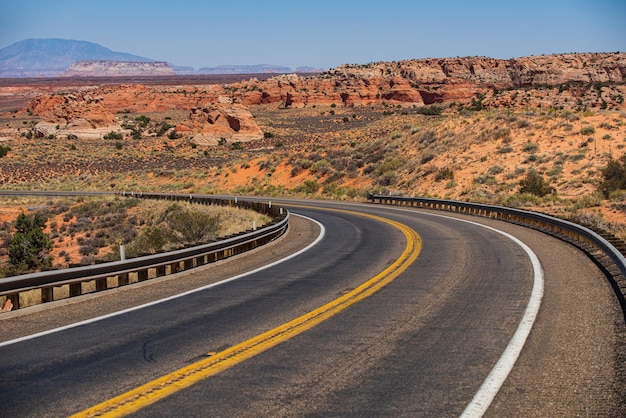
[
  {"x": 118, "y": 68},
  {"x": 223, "y": 121},
  {"x": 492, "y": 82},
  {"x": 80, "y": 114},
  {"x": 429, "y": 81}
]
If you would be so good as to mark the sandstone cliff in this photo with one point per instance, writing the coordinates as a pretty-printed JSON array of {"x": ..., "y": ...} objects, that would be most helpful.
[
  {"x": 429, "y": 81},
  {"x": 563, "y": 81},
  {"x": 80, "y": 114},
  {"x": 224, "y": 121}
]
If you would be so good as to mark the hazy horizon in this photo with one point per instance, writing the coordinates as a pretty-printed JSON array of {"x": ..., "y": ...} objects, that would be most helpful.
[{"x": 321, "y": 34}]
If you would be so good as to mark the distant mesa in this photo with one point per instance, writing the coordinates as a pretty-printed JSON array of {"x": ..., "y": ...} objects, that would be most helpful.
[
  {"x": 51, "y": 57},
  {"x": 117, "y": 69},
  {"x": 245, "y": 69},
  {"x": 69, "y": 58}
]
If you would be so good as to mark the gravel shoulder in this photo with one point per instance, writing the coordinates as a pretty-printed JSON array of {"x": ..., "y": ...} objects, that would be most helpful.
[{"x": 59, "y": 313}]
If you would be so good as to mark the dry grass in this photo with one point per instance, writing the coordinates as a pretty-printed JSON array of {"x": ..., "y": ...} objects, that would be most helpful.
[
  {"x": 86, "y": 229},
  {"x": 343, "y": 153}
]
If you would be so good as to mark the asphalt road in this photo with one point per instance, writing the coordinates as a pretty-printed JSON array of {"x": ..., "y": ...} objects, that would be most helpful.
[{"x": 422, "y": 346}]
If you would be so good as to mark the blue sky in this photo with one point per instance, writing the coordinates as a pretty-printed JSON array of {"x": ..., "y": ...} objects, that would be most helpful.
[{"x": 321, "y": 33}]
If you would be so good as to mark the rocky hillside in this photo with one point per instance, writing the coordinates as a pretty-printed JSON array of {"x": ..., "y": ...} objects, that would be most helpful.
[
  {"x": 463, "y": 128},
  {"x": 429, "y": 81},
  {"x": 568, "y": 81}
]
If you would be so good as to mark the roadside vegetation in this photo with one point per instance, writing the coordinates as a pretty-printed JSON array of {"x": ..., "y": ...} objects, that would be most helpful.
[
  {"x": 557, "y": 160},
  {"x": 59, "y": 233}
]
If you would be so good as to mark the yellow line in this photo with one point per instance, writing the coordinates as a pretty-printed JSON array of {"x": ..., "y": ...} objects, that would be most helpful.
[{"x": 164, "y": 386}]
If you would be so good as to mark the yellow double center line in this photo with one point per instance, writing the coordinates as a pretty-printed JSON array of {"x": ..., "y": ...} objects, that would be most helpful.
[{"x": 164, "y": 386}]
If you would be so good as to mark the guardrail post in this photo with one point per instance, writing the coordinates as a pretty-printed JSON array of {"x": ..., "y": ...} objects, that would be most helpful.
[
  {"x": 75, "y": 289},
  {"x": 15, "y": 300},
  {"x": 47, "y": 294},
  {"x": 101, "y": 284},
  {"x": 142, "y": 275},
  {"x": 122, "y": 279}
]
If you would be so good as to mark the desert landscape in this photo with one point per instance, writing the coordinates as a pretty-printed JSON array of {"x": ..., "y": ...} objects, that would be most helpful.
[{"x": 475, "y": 129}]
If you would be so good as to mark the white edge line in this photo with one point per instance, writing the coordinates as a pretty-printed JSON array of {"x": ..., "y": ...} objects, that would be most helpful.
[
  {"x": 156, "y": 302},
  {"x": 494, "y": 381}
]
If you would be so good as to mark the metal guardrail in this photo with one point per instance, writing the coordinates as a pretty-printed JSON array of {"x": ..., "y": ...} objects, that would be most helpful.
[
  {"x": 121, "y": 273},
  {"x": 570, "y": 231}
]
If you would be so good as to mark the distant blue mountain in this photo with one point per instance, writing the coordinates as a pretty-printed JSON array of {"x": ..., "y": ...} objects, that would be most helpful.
[{"x": 51, "y": 57}]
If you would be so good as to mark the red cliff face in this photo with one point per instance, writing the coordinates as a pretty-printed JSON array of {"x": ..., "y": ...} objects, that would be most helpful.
[
  {"x": 68, "y": 108},
  {"x": 214, "y": 122},
  {"x": 430, "y": 81},
  {"x": 406, "y": 83}
]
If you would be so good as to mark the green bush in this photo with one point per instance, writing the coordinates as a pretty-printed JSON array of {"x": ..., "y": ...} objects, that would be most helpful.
[
  {"x": 4, "y": 150},
  {"x": 113, "y": 135},
  {"x": 29, "y": 246},
  {"x": 613, "y": 177},
  {"x": 535, "y": 184},
  {"x": 433, "y": 110},
  {"x": 587, "y": 130},
  {"x": 444, "y": 174}
]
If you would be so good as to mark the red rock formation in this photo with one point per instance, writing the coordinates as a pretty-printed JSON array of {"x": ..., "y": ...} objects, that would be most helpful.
[
  {"x": 221, "y": 121},
  {"x": 68, "y": 108},
  {"x": 407, "y": 83}
]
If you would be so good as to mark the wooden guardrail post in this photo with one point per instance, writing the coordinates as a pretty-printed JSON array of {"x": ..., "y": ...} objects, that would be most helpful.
[
  {"x": 75, "y": 289},
  {"x": 15, "y": 300},
  {"x": 142, "y": 275},
  {"x": 47, "y": 294},
  {"x": 122, "y": 279}
]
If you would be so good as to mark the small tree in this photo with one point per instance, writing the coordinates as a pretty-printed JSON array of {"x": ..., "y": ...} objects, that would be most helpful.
[
  {"x": 613, "y": 176},
  {"x": 534, "y": 183},
  {"x": 29, "y": 246}
]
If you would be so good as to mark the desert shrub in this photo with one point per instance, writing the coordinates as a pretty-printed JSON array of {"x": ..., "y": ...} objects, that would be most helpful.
[
  {"x": 143, "y": 120},
  {"x": 173, "y": 134},
  {"x": 164, "y": 128},
  {"x": 494, "y": 134},
  {"x": 505, "y": 149},
  {"x": 190, "y": 226},
  {"x": 486, "y": 179},
  {"x": 426, "y": 157},
  {"x": 308, "y": 187},
  {"x": 613, "y": 177},
  {"x": 389, "y": 165},
  {"x": 530, "y": 147},
  {"x": 432, "y": 110},
  {"x": 444, "y": 174},
  {"x": 4, "y": 150},
  {"x": 495, "y": 169},
  {"x": 151, "y": 240},
  {"x": 113, "y": 135},
  {"x": 87, "y": 250},
  {"x": 535, "y": 184},
  {"x": 587, "y": 130},
  {"x": 29, "y": 247},
  {"x": 427, "y": 137}
]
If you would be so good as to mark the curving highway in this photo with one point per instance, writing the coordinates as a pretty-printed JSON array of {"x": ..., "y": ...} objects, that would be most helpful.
[{"x": 424, "y": 344}]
